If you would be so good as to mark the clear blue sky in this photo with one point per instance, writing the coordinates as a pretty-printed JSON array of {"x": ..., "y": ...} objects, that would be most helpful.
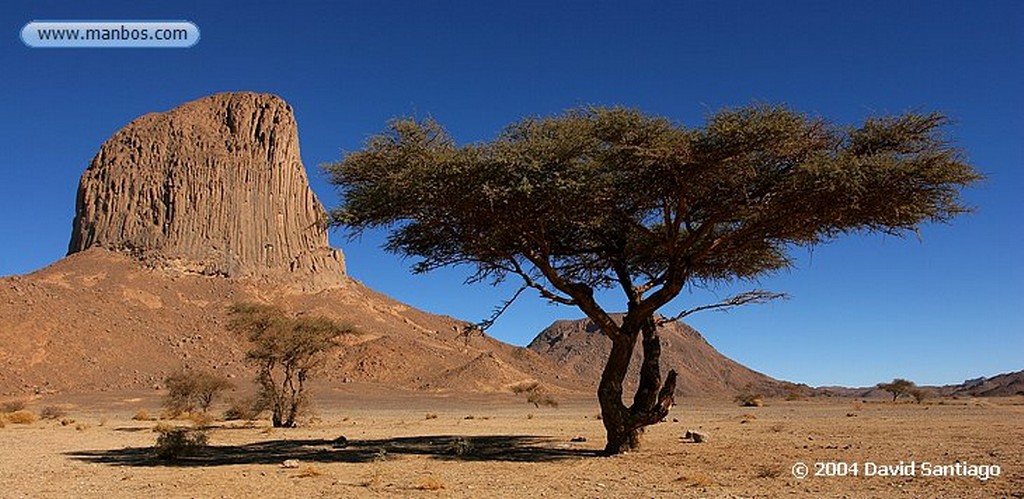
[{"x": 936, "y": 310}]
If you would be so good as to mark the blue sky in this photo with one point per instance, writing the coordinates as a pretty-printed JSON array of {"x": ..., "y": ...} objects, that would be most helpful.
[{"x": 937, "y": 309}]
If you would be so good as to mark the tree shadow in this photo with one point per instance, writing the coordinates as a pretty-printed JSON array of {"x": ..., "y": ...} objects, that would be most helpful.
[{"x": 510, "y": 448}]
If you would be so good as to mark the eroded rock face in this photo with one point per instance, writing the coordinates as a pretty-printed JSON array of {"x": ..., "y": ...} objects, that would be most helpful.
[{"x": 215, "y": 186}]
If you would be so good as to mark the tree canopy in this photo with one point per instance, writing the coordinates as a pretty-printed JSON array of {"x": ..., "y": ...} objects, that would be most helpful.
[{"x": 599, "y": 198}]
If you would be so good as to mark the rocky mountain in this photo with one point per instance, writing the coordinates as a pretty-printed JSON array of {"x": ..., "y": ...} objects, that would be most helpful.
[
  {"x": 213, "y": 187},
  {"x": 1000, "y": 385},
  {"x": 581, "y": 348},
  {"x": 183, "y": 213}
]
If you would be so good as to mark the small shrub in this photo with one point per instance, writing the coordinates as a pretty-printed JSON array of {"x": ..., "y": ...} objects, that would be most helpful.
[
  {"x": 459, "y": 447},
  {"x": 540, "y": 398},
  {"x": 53, "y": 412},
  {"x": 163, "y": 427},
  {"x": 180, "y": 442},
  {"x": 767, "y": 471},
  {"x": 66, "y": 421},
  {"x": 431, "y": 415},
  {"x": 536, "y": 394},
  {"x": 13, "y": 406},
  {"x": 200, "y": 419},
  {"x": 23, "y": 416},
  {"x": 191, "y": 391},
  {"x": 696, "y": 479},
  {"x": 749, "y": 399},
  {"x": 246, "y": 408},
  {"x": 82, "y": 426},
  {"x": 529, "y": 416},
  {"x": 142, "y": 415}
]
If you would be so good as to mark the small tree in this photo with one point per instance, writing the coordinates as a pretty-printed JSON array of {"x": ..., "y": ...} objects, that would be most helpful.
[
  {"x": 611, "y": 198},
  {"x": 190, "y": 390},
  {"x": 898, "y": 387},
  {"x": 287, "y": 351}
]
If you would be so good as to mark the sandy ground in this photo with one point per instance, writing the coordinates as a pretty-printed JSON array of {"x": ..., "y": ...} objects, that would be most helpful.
[{"x": 499, "y": 446}]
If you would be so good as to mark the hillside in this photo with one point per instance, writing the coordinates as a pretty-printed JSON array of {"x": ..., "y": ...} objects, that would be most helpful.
[{"x": 581, "y": 348}]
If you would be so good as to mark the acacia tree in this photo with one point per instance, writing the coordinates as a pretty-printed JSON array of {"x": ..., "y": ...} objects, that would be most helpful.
[
  {"x": 899, "y": 387},
  {"x": 599, "y": 198},
  {"x": 287, "y": 352}
]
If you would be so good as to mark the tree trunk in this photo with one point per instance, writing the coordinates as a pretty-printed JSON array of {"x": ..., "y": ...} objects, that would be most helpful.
[{"x": 653, "y": 399}]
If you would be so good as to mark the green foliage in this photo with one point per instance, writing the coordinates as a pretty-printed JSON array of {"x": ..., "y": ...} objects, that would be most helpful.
[
  {"x": 599, "y": 188},
  {"x": 188, "y": 391},
  {"x": 287, "y": 352},
  {"x": 898, "y": 387}
]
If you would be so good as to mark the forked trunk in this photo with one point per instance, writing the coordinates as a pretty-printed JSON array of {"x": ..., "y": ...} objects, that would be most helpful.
[{"x": 652, "y": 401}]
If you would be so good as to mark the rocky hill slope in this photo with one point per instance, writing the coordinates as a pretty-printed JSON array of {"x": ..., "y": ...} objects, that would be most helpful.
[{"x": 581, "y": 348}]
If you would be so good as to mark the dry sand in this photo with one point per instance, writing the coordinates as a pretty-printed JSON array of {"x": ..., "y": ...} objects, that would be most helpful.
[{"x": 498, "y": 446}]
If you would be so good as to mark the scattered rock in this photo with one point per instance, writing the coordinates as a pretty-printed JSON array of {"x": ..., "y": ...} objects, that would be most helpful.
[
  {"x": 339, "y": 443},
  {"x": 578, "y": 439},
  {"x": 695, "y": 436},
  {"x": 290, "y": 463}
]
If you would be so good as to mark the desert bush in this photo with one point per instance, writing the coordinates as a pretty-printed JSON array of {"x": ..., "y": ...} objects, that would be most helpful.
[
  {"x": 142, "y": 415},
  {"x": 749, "y": 399},
  {"x": 768, "y": 471},
  {"x": 431, "y": 415},
  {"x": 13, "y": 406},
  {"x": 180, "y": 442},
  {"x": 200, "y": 419},
  {"x": 536, "y": 394},
  {"x": 23, "y": 416},
  {"x": 191, "y": 391},
  {"x": 52, "y": 412},
  {"x": 918, "y": 394},
  {"x": 246, "y": 409}
]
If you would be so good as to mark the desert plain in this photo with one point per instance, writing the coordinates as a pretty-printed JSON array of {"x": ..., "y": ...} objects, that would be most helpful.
[{"x": 414, "y": 444}]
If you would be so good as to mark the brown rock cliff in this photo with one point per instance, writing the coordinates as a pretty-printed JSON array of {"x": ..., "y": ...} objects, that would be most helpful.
[{"x": 214, "y": 187}]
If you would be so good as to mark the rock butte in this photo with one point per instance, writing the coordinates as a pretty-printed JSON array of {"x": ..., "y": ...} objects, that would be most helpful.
[{"x": 214, "y": 187}]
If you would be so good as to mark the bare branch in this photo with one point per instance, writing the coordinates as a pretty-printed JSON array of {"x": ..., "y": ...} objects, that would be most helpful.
[
  {"x": 488, "y": 322},
  {"x": 755, "y": 296}
]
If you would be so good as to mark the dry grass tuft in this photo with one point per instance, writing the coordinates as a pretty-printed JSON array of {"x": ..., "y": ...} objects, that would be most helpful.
[
  {"x": 143, "y": 415},
  {"x": 309, "y": 471},
  {"x": 53, "y": 412},
  {"x": 23, "y": 416},
  {"x": 13, "y": 406},
  {"x": 767, "y": 471},
  {"x": 696, "y": 478}
]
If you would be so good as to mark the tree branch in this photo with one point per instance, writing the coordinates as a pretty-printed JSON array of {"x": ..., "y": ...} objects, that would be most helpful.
[
  {"x": 755, "y": 296},
  {"x": 488, "y": 322}
]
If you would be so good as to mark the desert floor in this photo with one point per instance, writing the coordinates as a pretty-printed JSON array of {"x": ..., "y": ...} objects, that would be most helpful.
[{"x": 435, "y": 445}]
